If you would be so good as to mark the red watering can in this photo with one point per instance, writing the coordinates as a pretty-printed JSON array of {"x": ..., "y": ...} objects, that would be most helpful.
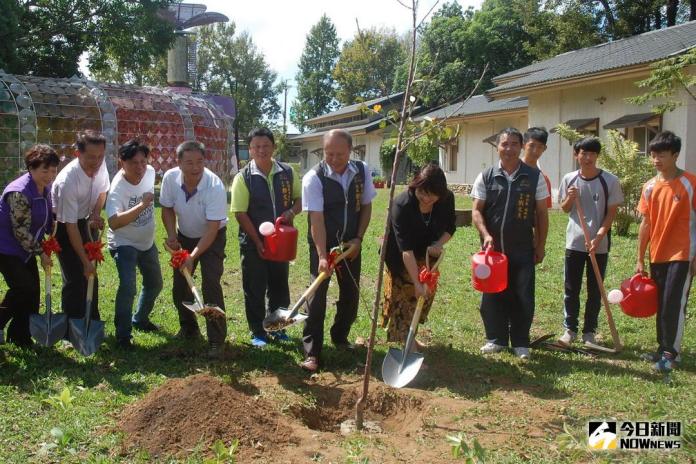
[
  {"x": 639, "y": 296},
  {"x": 489, "y": 271},
  {"x": 279, "y": 241}
]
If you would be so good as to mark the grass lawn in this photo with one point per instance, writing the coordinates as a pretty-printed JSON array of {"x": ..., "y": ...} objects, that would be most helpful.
[{"x": 533, "y": 411}]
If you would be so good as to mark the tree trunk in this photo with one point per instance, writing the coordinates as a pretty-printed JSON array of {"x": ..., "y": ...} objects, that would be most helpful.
[
  {"x": 609, "y": 14},
  {"x": 658, "y": 19},
  {"x": 692, "y": 13},
  {"x": 672, "y": 7}
]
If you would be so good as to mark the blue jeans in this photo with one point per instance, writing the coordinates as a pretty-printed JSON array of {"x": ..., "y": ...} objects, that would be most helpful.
[
  {"x": 507, "y": 316},
  {"x": 127, "y": 258}
]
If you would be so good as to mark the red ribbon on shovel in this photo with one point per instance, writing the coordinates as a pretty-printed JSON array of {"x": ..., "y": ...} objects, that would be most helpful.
[
  {"x": 429, "y": 278},
  {"x": 94, "y": 251},
  {"x": 50, "y": 246},
  {"x": 179, "y": 257}
]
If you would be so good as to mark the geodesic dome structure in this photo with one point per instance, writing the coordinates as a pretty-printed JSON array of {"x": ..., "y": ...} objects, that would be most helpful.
[{"x": 52, "y": 111}]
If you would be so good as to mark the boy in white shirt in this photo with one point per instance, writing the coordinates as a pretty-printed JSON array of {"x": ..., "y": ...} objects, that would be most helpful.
[{"x": 131, "y": 236}]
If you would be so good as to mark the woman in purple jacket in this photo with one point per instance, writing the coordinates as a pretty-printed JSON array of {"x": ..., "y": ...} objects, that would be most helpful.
[{"x": 25, "y": 217}]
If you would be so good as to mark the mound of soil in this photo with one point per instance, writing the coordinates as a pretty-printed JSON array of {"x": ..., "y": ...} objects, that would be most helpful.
[{"x": 198, "y": 410}]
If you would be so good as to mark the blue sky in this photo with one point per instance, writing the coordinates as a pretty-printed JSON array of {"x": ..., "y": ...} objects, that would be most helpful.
[{"x": 279, "y": 27}]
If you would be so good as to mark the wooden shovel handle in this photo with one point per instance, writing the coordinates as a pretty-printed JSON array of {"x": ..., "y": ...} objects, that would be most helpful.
[{"x": 616, "y": 340}]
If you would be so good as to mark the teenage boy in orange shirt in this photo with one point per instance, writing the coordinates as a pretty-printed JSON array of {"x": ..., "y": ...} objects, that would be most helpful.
[{"x": 668, "y": 206}]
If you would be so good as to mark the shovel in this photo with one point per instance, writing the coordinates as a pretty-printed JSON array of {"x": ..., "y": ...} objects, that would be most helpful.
[
  {"x": 85, "y": 334},
  {"x": 399, "y": 367},
  {"x": 618, "y": 346},
  {"x": 197, "y": 306},
  {"x": 282, "y": 318},
  {"x": 49, "y": 328}
]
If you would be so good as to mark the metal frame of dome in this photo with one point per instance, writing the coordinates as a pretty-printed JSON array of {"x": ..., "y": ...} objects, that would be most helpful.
[{"x": 58, "y": 108}]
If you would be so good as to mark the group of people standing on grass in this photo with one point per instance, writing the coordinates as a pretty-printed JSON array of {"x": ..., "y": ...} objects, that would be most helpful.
[{"x": 510, "y": 211}]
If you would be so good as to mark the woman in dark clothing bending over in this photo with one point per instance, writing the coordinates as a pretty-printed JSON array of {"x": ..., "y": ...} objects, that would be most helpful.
[
  {"x": 422, "y": 221},
  {"x": 25, "y": 217}
]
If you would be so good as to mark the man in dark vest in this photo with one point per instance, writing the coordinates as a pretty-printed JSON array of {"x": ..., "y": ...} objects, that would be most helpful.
[
  {"x": 338, "y": 194},
  {"x": 507, "y": 198},
  {"x": 262, "y": 191}
]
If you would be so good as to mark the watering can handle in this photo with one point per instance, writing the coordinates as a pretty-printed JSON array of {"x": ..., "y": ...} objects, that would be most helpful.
[
  {"x": 279, "y": 220},
  {"x": 634, "y": 280}
]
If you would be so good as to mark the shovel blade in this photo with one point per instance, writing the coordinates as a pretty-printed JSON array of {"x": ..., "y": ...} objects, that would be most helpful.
[
  {"x": 280, "y": 319},
  {"x": 207, "y": 311},
  {"x": 603, "y": 349},
  {"x": 396, "y": 375},
  {"x": 86, "y": 339},
  {"x": 45, "y": 333}
]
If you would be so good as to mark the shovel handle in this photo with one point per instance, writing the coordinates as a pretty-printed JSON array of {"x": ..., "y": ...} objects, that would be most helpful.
[
  {"x": 616, "y": 340},
  {"x": 189, "y": 280}
]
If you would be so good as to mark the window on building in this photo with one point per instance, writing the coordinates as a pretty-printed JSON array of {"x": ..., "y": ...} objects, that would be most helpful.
[
  {"x": 640, "y": 128},
  {"x": 452, "y": 150}
]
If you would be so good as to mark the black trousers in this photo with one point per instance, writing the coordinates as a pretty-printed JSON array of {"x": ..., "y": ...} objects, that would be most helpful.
[
  {"x": 22, "y": 297},
  {"x": 507, "y": 316},
  {"x": 212, "y": 266},
  {"x": 74, "y": 291},
  {"x": 577, "y": 262},
  {"x": 673, "y": 284},
  {"x": 265, "y": 285},
  {"x": 346, "y": 306}
]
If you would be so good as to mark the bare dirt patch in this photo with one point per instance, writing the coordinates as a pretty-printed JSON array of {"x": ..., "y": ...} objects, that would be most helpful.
[
  {"x": 298, "y": 419},
  {"x": 195, "y": 411}
]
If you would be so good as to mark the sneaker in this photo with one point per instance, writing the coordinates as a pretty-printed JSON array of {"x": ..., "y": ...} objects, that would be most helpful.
[
  {"x": 216, "y": 350},
  {"x": 665, "y": 364},
  {"x": 491, "y": 347},
  {"x": 589, "y": 337},
  {"x": 280, "y": 336},
  {"x": 568, "y": 337},
  {"x": 650, "y": 357},
  {"x": 125, "y": 345},
  {"x": 344, "y": 346},
  {"x": 311, "y": 364},
  {"x": 521, "y": 352},
  {"x": 146, "y": 326},
  {"x": 258, "y": 341}
]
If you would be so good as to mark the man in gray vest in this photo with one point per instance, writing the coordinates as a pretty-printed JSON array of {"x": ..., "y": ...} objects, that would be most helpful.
[
  {"x": 261, "y": 192},
  {"x": 507, "y": 199},
  {"x": 338, "y": 194}
]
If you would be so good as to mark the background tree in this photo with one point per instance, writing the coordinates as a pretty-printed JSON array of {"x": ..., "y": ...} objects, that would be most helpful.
[
  {"x": 667, "y": 77},
  {"x": 230, "y": 64},
  {"x": 316, "y": 87},
  {"x": 53, "y": 35},
  {"x": 367, "y": 66}
]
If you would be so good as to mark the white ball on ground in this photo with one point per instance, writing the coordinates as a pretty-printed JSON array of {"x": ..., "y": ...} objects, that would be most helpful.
[
  {"x": 615, "y": 296},
  {"x": 266, "y": 228},
  {"x": 482, "y": 271}
]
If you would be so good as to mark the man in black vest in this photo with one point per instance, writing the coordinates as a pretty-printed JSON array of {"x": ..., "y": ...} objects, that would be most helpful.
[
  {"x": 338, "y": 194},
  {"x": 261, "y": 192},
  {"x": 507, "y": 198}
]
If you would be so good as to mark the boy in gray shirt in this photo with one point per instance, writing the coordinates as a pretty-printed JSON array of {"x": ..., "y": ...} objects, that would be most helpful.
[{"x": 600, "y": 195}]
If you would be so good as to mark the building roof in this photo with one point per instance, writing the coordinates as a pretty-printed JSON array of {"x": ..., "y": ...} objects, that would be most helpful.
[
  {"x": 478, "y": 104},
  {"x": 367, "y": 127},
  {"x": 639, "y": 49},
  {"x": 356, "y": 107}
]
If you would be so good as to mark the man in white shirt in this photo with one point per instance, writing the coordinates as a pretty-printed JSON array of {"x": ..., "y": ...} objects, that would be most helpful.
[
  {"x": 79, "y": 193},
  {"x": 131, "y": 237},
  {"x": 194, "y": 213},
  {"x": 338, "y": 194}
]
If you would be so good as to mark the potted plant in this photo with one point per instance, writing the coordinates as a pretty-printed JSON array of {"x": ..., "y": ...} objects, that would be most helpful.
[{"x": 378, "y": 181}]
